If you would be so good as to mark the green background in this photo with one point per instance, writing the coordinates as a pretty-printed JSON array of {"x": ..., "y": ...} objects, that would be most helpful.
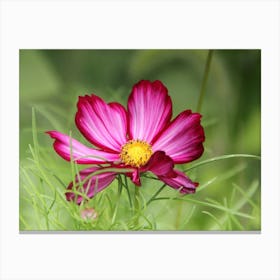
[{"x": 52, "y": 80}]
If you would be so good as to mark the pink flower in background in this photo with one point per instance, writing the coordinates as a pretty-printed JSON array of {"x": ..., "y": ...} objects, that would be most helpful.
[
  {"x": 89, "y": 214},
  {"x": 142, "y": 138}
]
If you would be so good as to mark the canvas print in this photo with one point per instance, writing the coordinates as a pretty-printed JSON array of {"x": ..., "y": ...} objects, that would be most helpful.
[{"x": 140, "y": 140}]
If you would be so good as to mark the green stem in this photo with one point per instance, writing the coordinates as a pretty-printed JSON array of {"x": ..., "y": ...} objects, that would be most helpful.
[
  {"x": 179, "y": 214},
  {"x": 204, "y": 81},
  {"x": 198, "y": 109},
  {"x": 156, "y": 194},
  {"x": 203, "y": 203},
  {"x": 136, "y": 199},
  {"x": 34, "y": 135},
  {"x": 136, "y": 206},
  {"x": 221, "y": 158},
  {"x": 125, "y": 184},
  {"x": 120, "y": 184}
]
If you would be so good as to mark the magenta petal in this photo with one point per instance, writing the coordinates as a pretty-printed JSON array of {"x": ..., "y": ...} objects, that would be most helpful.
[
  {"x": 149, "y": 110},
  {"x": 135, "y": 177},
  {"x": 182, "y": 139},
  {"x": 104, "y": 125},
  {"x": 92, "y": 186},
  {"x": 160, "y": 164},
  {"x": 181, "y": 181},
  {"x": 80, "y": 153}
]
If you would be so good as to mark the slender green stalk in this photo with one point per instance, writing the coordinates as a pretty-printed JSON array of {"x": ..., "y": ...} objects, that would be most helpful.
[
  {"x": 221, "y": 158},
  {"x": 204, "y": 81},
  {"x": 216, "y": 220},
  {"x": 245, "y": 195},
  {"x": 125, "y": 184},
  {"x": 26, "y": 226},
  {"x": 34, "y": 135},
  {"x": 35, "y": 154},
  {"x": 198, "y": 109},
  {"x": 156, "y": 194},
  {"x": 120, "y": 185},
  {"x": 187, "y": 219},
  {"x": 179, "y": 214},
  {"x": 72, "y": 164},
  {"x": 203, "y": 203},
  {"x": 136, "y": 198},
  {"x": 136, "y": 206},
  {"x": 241, "y": 202}
]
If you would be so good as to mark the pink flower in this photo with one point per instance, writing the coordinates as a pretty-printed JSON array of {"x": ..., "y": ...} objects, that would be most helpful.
[
  {"x": 142, "y": 138},
  {"x": 88, "y": 214}
]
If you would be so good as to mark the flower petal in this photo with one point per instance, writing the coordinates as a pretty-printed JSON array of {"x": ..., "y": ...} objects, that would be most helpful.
[
  {"x": 92, "y": 186},
  {"x": 149, "y": 110},
  {"x": 181, "y": 181},
  {"x": 104, "y": 125},
  {"x": 135, "y": 177},
  {"x": 182, "y": 139},
  {"x": 160, "y": 164},
  {"x": 80, "y": 153}
]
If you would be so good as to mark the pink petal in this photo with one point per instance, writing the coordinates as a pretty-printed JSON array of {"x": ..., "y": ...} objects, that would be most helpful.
[
  {"x": 182, "y": 139},
  {"x": 160, "y": 164},
  {"x": 92, "y": 186},
  {"x": 149, "y": 110},
  {"x": 181, "y": 181},
  {"x": 135, "y": 177},
  {"x": 104, "y": 125},
  {"x": 80, "y": 153}
]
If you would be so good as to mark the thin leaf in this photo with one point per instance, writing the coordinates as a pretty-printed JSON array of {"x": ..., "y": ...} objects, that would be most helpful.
[{"x": 219, "y": 158}]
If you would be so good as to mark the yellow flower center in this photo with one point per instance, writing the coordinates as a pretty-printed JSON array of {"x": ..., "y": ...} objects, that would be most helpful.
[{"x": 136, "y": 153}]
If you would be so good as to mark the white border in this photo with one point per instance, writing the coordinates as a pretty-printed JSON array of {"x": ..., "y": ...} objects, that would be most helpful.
[{"x": 153, "y": 24}]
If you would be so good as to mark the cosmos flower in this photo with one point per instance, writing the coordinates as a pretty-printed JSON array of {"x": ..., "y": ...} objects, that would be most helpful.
[{"x": 142, "y": 138}]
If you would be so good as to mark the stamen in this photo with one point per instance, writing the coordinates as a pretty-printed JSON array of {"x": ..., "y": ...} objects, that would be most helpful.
[{"x": 136, "y": 153}]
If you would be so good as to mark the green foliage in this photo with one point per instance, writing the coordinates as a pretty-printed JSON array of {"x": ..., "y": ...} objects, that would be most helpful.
[{"x": 228, "y": 197}]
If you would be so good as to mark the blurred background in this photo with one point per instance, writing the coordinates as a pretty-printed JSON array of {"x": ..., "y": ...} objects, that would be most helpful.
[{"x": 52, "y": 80}]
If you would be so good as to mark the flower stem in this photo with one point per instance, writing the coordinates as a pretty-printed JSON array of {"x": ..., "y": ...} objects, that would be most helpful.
[
  {"x": 128, "y": 191},
  {"x": 136, "y": 206},
  {"x": 136, "y": 199},
  {"x": 120, "y": 185},
  {"x": 198, "y": 109},
  {"x": 204, "y": 81},
  {"x": 214, "y": 159},
  {"x": 156, "y": 194},
  {"x": 179, "y": 215}
]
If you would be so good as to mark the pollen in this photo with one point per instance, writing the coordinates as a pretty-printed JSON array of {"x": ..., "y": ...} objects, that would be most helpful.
[{"x": 136, "y": 153}]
